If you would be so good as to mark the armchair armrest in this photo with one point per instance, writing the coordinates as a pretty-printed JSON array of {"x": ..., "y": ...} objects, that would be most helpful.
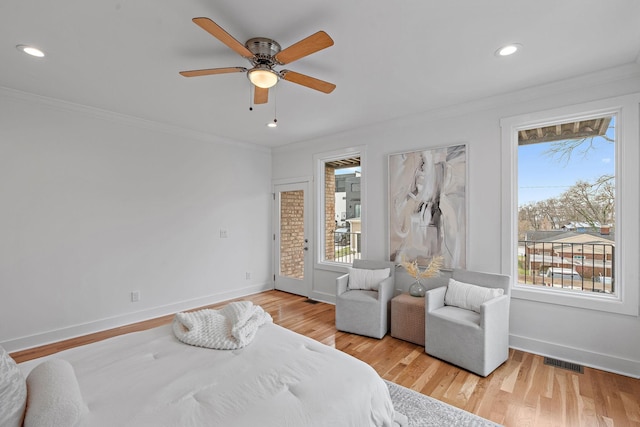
[
  {"x": 494, "y": 314},
  {"x": 385, "y": 289},
  {"x": 434, "y": 299},
  {"x": 341, "y": 284}
]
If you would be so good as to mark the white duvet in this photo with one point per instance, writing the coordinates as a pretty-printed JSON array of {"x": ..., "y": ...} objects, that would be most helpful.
[{"x": 281, "y": 379}]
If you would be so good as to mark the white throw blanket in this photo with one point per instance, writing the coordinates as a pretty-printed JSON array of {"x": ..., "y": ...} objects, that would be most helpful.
[{"x": 232, "y": 327}]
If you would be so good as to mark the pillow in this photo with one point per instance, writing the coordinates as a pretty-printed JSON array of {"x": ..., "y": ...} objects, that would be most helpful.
[
  {"x": 470, "y": 297},
  {"x": 13, "y": 391},
  {"x": 54, "y": 397},
  {"x": 368, "y": 280}
]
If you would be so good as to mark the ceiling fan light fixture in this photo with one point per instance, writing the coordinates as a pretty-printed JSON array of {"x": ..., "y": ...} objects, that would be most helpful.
[{"x": 263, "y": 77}]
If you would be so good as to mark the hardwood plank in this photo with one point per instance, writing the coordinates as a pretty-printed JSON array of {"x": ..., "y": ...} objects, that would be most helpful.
[{"x": 522, "y": 392}]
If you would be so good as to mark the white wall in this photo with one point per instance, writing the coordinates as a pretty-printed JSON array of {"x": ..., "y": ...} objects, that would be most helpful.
[
  {"x": 599, "y": 339},
  {"x": 95, "y": 205}
]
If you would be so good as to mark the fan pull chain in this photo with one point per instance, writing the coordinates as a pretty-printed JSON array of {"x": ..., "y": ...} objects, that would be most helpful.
[
  {"x": 275, "y": 106},
  {"x": 250, "y": 98}
]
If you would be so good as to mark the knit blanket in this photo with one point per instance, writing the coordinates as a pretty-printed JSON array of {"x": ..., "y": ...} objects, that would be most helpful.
[{"x": 232, "y": 327}]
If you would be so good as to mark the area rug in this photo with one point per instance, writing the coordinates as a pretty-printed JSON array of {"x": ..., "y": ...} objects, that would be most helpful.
[{"x": 425, "y": 411}]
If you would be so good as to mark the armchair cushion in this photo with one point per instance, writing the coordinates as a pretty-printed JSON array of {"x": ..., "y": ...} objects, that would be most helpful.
[
  {"x": 366, "y": 279},
  {"x": 458, "y": 316},
  {"x": 363, "y": 297},
  {"x": 468, "y": 296}
]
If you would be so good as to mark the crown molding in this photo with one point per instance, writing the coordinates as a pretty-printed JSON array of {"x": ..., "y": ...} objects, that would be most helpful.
[
  {"x": 599, "y": 86},
  {"x": 124, "y": 119}
]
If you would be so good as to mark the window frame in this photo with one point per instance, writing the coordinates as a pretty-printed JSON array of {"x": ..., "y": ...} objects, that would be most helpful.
[
  {"x": 319, "y": 161},
  {"x": 627, "y": 241}
]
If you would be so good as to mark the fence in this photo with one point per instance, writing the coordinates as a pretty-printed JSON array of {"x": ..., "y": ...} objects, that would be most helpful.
[
  {"x": 346, "y": 246},
  {"x": 587, "y": 267}
]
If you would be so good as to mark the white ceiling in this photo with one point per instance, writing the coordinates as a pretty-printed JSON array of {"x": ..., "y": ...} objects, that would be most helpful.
[{"x": 390, "y": 58}]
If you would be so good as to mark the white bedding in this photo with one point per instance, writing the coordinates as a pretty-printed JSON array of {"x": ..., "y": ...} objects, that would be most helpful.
[
  {"x": 229, "y": 328},
  {"x": 281, "y": 379}
]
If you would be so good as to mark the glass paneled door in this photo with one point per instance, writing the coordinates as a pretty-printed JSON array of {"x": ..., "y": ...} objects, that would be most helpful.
[{"x": 291, "y": 231}]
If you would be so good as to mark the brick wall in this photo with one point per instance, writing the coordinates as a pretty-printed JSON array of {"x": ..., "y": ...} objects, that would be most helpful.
[
  {"x": 329, "y": 211},
  {"x": 292, "y": 234}
]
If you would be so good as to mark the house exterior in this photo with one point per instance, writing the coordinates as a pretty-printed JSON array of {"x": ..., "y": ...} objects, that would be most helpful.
[{"x": 590, "y": 254}]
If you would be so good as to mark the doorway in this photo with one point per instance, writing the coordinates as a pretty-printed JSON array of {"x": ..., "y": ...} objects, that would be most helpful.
[{"x": 291, "y": 238}]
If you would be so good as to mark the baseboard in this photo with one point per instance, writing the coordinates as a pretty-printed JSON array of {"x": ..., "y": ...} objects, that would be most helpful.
[
  {"x": 323, "y": 297},
  {"x": 74, "y": 331},
  {"x": 604, "y": 362}
]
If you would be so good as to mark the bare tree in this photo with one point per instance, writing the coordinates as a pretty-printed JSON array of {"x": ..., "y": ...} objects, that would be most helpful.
[
  {"x": 529, "y": 215},
  {"x": 593, "y": 203},
  {"x": 563, "y": 150},
  {"x": 549, "y": 214}
]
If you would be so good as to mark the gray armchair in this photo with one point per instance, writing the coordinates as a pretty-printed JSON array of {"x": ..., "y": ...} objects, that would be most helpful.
[
  {"x": 478, "y": 342},
  {"x": 365, "y": 312}
]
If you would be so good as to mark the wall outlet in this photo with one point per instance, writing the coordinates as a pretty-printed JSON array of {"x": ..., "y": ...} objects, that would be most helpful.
[
  {"x": 223, "y": 233},
  {"x": 247, "y": 276},
  {"x": 135, "y": 296}
]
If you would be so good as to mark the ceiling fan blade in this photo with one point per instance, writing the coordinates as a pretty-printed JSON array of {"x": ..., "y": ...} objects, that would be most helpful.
[
  {"x": 216, "y": 31},
  {"x": 307, "y": 81},
  {"x": 304, "y": 47},
  {"x": 260, "y": 95},
  {"x": 209, "y": 71}
]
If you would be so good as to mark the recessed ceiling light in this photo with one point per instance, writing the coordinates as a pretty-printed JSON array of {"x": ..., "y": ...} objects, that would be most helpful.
[
  {"x": 30, "y": 50},
  {"x": 509, "y": 49}
]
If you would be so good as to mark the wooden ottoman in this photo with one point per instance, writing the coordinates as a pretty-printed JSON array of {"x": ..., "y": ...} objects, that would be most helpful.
[{"x": 407, "y": 318}]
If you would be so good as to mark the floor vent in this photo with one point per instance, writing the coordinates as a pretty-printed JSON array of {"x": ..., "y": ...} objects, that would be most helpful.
[
  {"x": 564, "y": 365},
  {"x": 311, "y": 301}
]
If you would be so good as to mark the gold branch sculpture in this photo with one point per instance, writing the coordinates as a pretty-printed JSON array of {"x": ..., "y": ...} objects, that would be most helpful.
[{"x": 432, "y": 270}]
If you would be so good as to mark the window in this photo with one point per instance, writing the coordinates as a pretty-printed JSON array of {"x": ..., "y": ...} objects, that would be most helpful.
[
  {"x": 566, "y": 205},
  {"x": 340, "y": 216},
  {"x": 569, "y": 205}
]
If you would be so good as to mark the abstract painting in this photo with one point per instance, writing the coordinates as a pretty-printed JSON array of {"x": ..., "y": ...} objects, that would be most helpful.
[{"x": 428, "y": 206}]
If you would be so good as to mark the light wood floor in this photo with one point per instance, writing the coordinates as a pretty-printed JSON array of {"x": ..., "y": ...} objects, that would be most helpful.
[{"x": 522, "y": 392}]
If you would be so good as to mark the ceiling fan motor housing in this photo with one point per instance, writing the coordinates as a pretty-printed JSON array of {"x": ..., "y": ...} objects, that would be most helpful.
[{"x": 264, "y": 50}]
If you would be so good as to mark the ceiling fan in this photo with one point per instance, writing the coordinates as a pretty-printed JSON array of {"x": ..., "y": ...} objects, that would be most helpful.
[{"x": 264, "y": 54}]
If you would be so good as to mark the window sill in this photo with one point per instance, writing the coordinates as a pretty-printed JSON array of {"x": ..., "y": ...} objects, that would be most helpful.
[
  {"x": 332, "y": 266},
  {"x": 601, "y": 302}
]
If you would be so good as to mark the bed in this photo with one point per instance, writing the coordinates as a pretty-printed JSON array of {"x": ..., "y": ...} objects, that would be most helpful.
[{"x": 281, "y": 378}]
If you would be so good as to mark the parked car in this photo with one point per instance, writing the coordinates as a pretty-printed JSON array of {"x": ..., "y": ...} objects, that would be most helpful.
[
  {"x": 605, "y": 280},
  {"x": 562, "y": 276},
  {"x": 342, "y": 236}
]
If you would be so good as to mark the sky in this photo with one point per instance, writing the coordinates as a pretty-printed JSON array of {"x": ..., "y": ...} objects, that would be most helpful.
[
  {"x": 345, "y": 171},
  {"x": 541, "y": 177}
]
